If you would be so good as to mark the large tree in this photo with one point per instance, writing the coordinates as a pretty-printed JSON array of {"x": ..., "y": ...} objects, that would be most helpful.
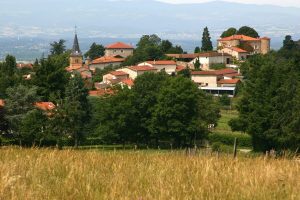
[
  {"x": 19, "y": 102},
  {"x": 229, "y": 32},
  {"x": 58, "y": 48},
  {"x": 151, "y": 47},
  {"x": 248, "y": 31},
  {"x": 95, "y": 51},
  {"x": 8, "y": 74},
  {"x": 269, "y": 107},
  {"x": 75, "y": 107},
  {"x": 145, "y": 91},
  {"x": 182, "y": 112},
  {"x": 206, "y": 41},
  {"x": 51, "y": 78}
]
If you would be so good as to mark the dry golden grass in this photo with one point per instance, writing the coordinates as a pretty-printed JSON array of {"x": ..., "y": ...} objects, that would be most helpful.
[{"x": 51, "y": 174}]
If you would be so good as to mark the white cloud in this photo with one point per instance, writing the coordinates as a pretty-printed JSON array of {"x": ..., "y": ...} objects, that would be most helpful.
[{"x": 293, "y": 3}]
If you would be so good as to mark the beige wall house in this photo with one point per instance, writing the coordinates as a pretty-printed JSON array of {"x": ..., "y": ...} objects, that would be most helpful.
[
  {"x": 135, "y": 71},
  {"x": 235, "y": 52},
  {"x": 257, "y": 45},
  {"x": 168, "y": 65},
  {"x": 211, "y": 78},
  {"x": 115, "y": 77},
  {"x": 105, "y": 61},
  {"x": 210, "y": 58},
  {"x": 119, "y": 49}
]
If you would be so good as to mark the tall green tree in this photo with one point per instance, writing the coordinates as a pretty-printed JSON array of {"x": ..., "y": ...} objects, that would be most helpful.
[
  {"x": 19, "y": 102},
  {"x": 180, "y": 114},
  {"x": 197, "y": 50},
  {"x": 95, "y": 51},
  {"x": 229, "y": 32},
  {"x": 248, "y": 31},
  {"x": 269, "y": 104},
  {"x": 33, "y": 128},
  {"x": 76, "y": 108},
  {"x": 50, "y": 78},
  {"x": 145, "y": 91},
  {"x": 58, "y": 48},
  {"x": 8, "y": 74},
  {"x": 117, "y": 118},
  {"x": 289, "y": 43},
  {"x": 206, "y": 41}
]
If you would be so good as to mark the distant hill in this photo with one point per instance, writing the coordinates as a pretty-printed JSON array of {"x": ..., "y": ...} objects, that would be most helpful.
[
  {"x": 53, "y": 19},
  {"x": 132, "y": 17}
]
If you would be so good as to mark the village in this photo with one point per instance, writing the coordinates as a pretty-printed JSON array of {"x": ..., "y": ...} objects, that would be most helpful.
[{"x": 216, "y": 82}]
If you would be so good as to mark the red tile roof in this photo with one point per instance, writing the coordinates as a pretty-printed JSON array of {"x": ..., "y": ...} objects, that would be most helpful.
[
  {"x": 74, "y": 67},
  {"x": 142, "y": 68},
  {"x": 107, "y": 59},
  {"x": 46, "y": 106},
  {"x": 119, "y": 45},
  {"x": 118, "y": 73},
  {"x": 210, "y": 73},
  {"x": 233, "y": 75},
  {"x": 180, "y": 68},
  {"x": 23, "y": 65},
  {"x": 221, "y": 72},
  {"x": 161, "y": 62},
  {"x": 196, "y": 55},
  {"x": 239, "y": 37},
  {"x": 239, "y": 50},
  {"x": 101, "y": 92},
  {"x": 128, "y": 82},
  {"x": 2, "y": 103},
  {"x": 229, "y": 81}
]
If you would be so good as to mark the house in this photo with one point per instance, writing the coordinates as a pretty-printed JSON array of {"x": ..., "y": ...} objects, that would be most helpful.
[
  {"x": 101, "y": 92},
  {"x": 211, "y": 78},
  {"x": 217, "y": 82},
  {"x": 169, "y": 66},
  {"x": 228, "y": 82},
  {"x": 22, "y": 65},
  {"x": 135, "y": 71},
  {"x": 119, "y": 49},
  {"x": 236, "y": 52},
  {"x": 249, "y": 44},
  {"x": 105, "y": 61},
  {"x": 206, "y": 59},
  {"x": 115, "y": 77}
]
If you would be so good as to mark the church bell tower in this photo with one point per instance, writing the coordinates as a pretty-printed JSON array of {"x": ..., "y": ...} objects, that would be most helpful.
[{"x": 76, "y": 55}]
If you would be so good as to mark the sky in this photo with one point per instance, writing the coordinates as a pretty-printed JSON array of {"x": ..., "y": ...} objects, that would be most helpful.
[{"x": 293, "y": 3}]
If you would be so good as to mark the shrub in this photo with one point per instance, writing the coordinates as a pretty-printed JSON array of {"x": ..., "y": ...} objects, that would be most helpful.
[{"x": 244, "y": 140}]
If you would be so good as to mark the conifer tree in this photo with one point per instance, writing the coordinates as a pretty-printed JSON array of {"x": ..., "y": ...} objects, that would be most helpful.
[{"x": 206, "y": 41}]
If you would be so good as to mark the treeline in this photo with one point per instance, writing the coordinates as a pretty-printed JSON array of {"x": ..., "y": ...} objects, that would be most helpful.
[
  {"x": 158, "y": 108},
  {"x": 270, "y": 102}
]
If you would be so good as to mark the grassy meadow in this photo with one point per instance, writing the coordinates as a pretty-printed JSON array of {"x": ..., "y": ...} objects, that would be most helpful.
[{"x": 143, "y": 175}]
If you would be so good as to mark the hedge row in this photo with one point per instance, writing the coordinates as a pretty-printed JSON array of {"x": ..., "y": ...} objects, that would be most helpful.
[{"x": 244, "y": 140}]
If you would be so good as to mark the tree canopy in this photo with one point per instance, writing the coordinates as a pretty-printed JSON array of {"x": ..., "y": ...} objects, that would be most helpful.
[
  {"x": 246, "y": 30},
  {"x": 229, "y": 32},
  {"x": 58, "y": 47},
  {"x": 95, "y": 51},
  {"x": 151, "y": 47}
]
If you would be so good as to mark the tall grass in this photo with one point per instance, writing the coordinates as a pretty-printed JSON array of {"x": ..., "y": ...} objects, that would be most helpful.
[{"x": 68, "y": 174}]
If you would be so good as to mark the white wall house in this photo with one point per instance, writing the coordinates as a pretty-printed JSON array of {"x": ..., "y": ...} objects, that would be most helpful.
[{"x": 169, "y": 66}]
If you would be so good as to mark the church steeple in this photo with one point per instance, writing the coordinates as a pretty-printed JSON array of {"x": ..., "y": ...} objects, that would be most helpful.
[
  {"x": 76, "y": 55},
  {"x": 76, "y": 49}
]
